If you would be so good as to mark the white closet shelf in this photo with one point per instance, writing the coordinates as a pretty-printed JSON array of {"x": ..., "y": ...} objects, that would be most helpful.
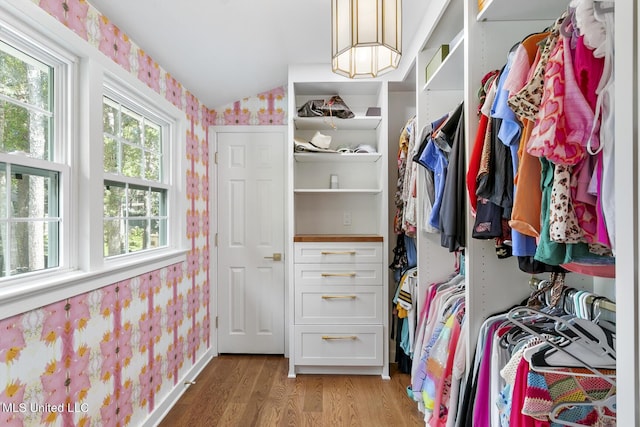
[
  {"x": 450, "y": 74},
  {"x": 337, "y": 157},
  {"x": 338, "y": 191},
  {"x": 522, "y": 10},
  {"x": 325, "y": 123}
]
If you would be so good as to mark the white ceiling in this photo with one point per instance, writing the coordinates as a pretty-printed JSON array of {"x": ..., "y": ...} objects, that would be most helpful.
[{"x": 226, "y": 50}]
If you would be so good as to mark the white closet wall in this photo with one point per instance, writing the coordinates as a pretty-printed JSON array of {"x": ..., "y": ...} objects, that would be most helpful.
[
  {"x": 402, "y": 106},
  {"x": 442, "y": 93},
  {"x": 627, "y": 94}
]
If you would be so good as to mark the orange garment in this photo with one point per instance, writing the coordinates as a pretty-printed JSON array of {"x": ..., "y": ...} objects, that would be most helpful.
[{"x": 525, "y": 215}]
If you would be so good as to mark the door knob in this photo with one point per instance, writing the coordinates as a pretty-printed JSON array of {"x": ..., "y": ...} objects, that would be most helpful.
[{"x": 276, "y": 257}]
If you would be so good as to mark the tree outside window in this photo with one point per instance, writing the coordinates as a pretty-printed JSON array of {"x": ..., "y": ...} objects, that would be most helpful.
[
  {"x": 135, "y": 196},
  {"x": 29, "y": 176}
]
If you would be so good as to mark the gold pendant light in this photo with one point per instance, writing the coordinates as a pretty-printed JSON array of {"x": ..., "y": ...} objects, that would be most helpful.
[{"x": 366, "y": 37}]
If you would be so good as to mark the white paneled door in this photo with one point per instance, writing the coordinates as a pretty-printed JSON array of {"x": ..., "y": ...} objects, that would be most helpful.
[{"x": 251, "y": 242}]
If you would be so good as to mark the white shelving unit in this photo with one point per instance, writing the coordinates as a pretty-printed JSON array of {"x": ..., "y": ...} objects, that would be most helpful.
[
  {"x": 437, "y": 97},
  {"x": 489, "y": 34},
  {"x": 337, "y": 289},
  {"x": 450, "y": 74},
  {"x": 340, "y": 191},
  {"x": 328, "y": 123},
  {"x": 508, "y": 10},
  {"x": 337, "y": 157},
  {"x": 488, "y": 37},
  {"x": 493, "y": 284}
]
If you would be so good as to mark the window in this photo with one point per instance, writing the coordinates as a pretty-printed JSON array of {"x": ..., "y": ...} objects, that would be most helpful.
[
  {"x": 136, "y": 186},
  {"x": 31, "y": 158}
]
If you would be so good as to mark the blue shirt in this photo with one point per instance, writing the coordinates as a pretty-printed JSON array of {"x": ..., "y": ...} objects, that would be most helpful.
[
  {"x": 509, "y": 134},
  {"x": 437, "y": 162}
]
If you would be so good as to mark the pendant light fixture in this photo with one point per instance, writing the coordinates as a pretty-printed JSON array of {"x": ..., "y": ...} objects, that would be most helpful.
[{"x": 366, "y": 37}]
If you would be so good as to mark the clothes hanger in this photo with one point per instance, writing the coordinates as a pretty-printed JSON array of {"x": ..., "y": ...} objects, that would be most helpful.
[
  {"x": 567, "y": 301},
  {"x": 591, "y": 330},
  {"x": 600, "y": 304},
  {"x": 566, "y": 28},
  {"x": 542, "y": 287},
  {"x": 541, "y": 325},
  {"x": 546, "y": 293},
  {"x": 557, "y": 289},
  {"x": 578, "y": 333},
  {"x": 584, "y": 302},
  {"x": 577, "y": 304},
  {"x": 596, "y": 352},
  {"x": 599, "y": 405},
  {"x": 600, "y": 8}
]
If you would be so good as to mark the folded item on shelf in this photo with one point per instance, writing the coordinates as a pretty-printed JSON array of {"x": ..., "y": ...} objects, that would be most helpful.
[
  {"x": 333, "y": 107},
  {"x": 361, "y": 148},
  {"x": 319, "y": 143},
  {"x": 364, "y": 148}
]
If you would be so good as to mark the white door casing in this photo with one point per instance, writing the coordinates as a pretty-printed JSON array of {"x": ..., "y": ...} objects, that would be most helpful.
[{"x": 251, "y": 213}]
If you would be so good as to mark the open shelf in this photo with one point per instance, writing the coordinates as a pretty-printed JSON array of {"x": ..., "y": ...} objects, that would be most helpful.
[
  {"x": 522, "y": 10},
  {"x": 450, "y": 74},
  {"x": 337, "y": 157},
  {"x": 338, "y": 191},
  {"x": 331, "y": 238},
  {"x": 326, "y": 123}
]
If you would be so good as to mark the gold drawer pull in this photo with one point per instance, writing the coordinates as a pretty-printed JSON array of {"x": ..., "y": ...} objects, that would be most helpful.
[
  {"x": 338, "y": 253},
  {"x": 338, "y": 297},
  {"x": 348, "y": 337},
  {"x": 338, "y": 274}
]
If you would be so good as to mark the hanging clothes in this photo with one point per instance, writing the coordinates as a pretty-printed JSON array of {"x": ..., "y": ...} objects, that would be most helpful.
[
  {"x": 439, "y": 328},
  {"x": 548, "y": 111},
  {"x": 529, "y": 362},
  {"x": 453, "y": 210}
]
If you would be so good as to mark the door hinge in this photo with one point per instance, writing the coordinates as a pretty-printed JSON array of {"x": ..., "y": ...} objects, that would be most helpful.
[
  {"x": 216, "y": 322},
  {"x": 215, "y": 157},
  {"x": 216, "y": 240}
]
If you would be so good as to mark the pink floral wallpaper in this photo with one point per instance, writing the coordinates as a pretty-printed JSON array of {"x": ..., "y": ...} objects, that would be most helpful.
[
  {"x": 111, "y": 356},
  {"x": 267, "y": 108},
  {"x": 104, "y": 358}
]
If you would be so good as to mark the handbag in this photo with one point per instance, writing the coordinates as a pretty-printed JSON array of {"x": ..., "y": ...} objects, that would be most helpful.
[{"x": 333, "y": 107}]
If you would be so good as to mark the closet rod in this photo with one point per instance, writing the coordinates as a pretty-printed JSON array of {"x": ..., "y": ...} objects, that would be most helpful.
[{"x": 604, "y": 303}]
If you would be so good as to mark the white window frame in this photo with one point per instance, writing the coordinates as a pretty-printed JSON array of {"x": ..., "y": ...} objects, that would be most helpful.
[
  {"x": 64, "y": 68},
  {"x": 166, "y": 124},
  {"x": 82, "y": 267},
  {"x": 172, "y": 168}
]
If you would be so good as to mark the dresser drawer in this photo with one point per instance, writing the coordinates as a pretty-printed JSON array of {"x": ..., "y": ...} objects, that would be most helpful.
[
  {"x": 338, "y": 274},
  {"x": 339, "y": 345},
  {"x": 339, "y": 252},
  {"x": 338, "y": 305}
]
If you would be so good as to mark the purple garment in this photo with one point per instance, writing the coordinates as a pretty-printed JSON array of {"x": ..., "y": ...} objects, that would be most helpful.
[
  {"x": 603, "y": 235},
  {"x": 584, "y": 171},
  {"x": 481, "y": 408}
]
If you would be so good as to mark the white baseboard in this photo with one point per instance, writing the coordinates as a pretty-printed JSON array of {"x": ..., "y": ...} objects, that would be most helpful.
[{"x": 172, "y": 398}]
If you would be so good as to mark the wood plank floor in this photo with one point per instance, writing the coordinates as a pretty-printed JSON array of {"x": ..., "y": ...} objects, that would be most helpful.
[{"x": 253, "y": 390}]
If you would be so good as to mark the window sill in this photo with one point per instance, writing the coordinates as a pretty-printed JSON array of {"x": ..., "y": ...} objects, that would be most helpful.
[{"x": 29, "y": 293}]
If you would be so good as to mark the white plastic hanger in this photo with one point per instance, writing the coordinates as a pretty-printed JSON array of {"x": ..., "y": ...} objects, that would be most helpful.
[
  {"x": 599, "y": 405},
  {"x": 587, "y": 344}
]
